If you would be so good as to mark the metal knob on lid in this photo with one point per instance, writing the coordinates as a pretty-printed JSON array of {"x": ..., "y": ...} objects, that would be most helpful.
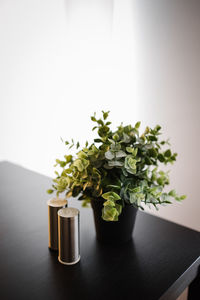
[
  {"x": 68, "y": 236},
  {"x": 54, "y": 205}
]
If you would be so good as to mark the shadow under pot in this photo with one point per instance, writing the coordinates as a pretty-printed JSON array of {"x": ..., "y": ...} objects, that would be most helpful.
[{"x": 114, "y": 232}]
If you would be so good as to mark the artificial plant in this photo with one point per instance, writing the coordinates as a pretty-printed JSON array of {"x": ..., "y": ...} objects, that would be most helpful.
[{"x": 120, "y": 167}]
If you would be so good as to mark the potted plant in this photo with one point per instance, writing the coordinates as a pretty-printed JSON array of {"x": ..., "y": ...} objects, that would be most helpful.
[{"x": 118, "y": 173}]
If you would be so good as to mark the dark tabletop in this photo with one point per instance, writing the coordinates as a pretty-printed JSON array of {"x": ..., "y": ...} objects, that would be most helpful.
[{"x": 159, "y": 263}]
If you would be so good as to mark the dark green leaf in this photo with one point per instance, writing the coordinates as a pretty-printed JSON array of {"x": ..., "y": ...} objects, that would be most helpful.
[
  {"x": 153, "y": 138},
  {"x": 161, "y": 157},
  {"x": 167, "y": 153},
  {"x": 100, "y": 122},
  {"x": 157, "y": 128},
  {"x": 148, "y": 161},
  {"x": 153, "y": 152},
  {"x": 97, "y": 140},
  {"x": 105, "y": 114}
]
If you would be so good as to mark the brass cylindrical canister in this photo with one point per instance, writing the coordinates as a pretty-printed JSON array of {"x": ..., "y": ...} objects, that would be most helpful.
[
  {"x": 54, "y": 205},
  {"x": 68, "y": 236}
]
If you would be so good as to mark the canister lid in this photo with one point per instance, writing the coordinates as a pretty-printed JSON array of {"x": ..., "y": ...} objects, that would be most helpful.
[
  {"x": 68, "y": 212},
  {"x": 57, "y": 202}
]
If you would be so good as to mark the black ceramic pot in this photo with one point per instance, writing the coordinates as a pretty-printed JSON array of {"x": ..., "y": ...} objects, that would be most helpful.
[{"x": 114, "y": 232}]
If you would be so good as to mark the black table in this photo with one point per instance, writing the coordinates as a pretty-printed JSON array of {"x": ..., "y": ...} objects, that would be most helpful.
[{"x": 159, "y": 263}]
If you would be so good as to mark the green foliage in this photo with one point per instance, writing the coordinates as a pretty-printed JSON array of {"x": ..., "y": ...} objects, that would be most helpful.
[{"x": 120, "y": 167}]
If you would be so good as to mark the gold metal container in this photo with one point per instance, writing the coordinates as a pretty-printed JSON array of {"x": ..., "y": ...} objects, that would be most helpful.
[
  {"x": 54, "y": 205},
  {"x": 68, "y": 236}
]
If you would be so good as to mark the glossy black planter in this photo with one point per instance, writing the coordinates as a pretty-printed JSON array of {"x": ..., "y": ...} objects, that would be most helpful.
[{"x": 114, "y": 232}]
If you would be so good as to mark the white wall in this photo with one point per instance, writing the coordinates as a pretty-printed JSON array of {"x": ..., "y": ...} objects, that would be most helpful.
[{"x": 62, "y": 60}]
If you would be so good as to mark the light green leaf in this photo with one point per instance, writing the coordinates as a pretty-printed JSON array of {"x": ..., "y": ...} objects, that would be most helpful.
[
  {"x": 180, "y": 198},
  {"x": 115, "y": 163},
  {"x": 115, "y": 147},
  {"x": 137, "y": 125},
  {"x": 115, "y": 137},
  {"x": 110, "y": 213},
  {"x": 68, "y": 158},
  {"x": 111, "y": 196},
  {"x": 114, "y": 186},
  {"x": 136, "y": 189},
  {"x": 50, "y": 191},
  {"x": 132, "y": 150},
  {"x": 133, "y": 198},
  {"x": 126, "y": 138},
  {"x": 129, "y": 149},
  {"x": 130, "y": 164},
  {"x": 86, "y": 203},
  {"x": 109, "y": 155},
  {"x": 81, "y": 164},
  {"x": 118, "y": 208},
  {"x": 82, "y": 154},
  {"x": 172, "y": 193},
  {"x": 109, "y": 203}
]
